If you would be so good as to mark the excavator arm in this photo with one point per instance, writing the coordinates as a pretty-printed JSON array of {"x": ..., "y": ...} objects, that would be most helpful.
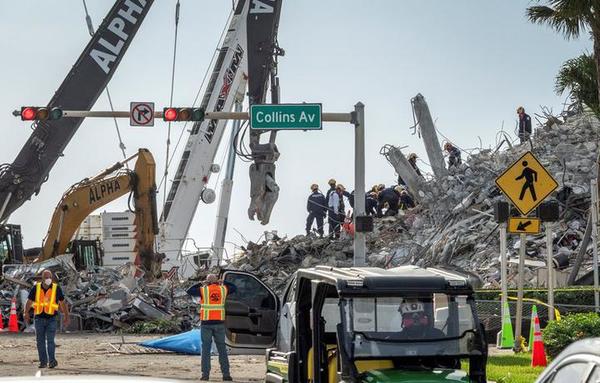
[
  {"x": 263, "y": 23},
  {"x": 89, "y": 195},
  {"x": 80, "y": 89},
  {"x": 77, "y": 203}
]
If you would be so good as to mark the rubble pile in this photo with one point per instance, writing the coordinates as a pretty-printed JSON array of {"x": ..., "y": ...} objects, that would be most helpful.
[
  {"x": 454, "y": 226},
  {"x": 103, "y": 299}
]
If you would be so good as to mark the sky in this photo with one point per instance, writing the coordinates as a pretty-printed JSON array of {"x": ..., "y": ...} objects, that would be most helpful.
[{"x": 474, "y": 62}]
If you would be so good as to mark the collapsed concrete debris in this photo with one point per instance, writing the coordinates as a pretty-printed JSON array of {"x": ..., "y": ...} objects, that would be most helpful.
[
  {"x": 454, "y": 225},
  {"x": 103, "y": 299}
]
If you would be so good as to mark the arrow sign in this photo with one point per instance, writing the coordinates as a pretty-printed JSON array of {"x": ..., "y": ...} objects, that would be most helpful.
[
  {"x": 524, "y": 225},
  {"x": 141, "y": 114}
]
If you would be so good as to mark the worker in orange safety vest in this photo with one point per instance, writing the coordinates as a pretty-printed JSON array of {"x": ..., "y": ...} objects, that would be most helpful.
[
  {"x": 213, "y": 295},
  {"x": 46, "y": 297}
]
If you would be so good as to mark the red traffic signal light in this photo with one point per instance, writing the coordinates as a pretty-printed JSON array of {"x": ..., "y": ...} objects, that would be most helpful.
[
  {"x": 183, "y": 114},
  {"x": 170, "y": 114},
  {"x": 30, "y": 113}
]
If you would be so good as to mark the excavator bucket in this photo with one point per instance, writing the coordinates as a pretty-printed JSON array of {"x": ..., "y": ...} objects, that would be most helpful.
[{"x": 264, "y": 192}]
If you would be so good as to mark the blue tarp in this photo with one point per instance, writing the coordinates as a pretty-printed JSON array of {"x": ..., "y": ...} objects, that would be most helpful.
[{"x": 184, "y": 343}]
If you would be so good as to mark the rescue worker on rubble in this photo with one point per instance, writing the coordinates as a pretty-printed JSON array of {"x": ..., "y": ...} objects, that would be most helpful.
[
  {"x": 412, "y": 160},
  {"x": 46, "y": 297},
  {"x": 406, "y": 200},
  {"x": 453, "y": 155},
  {"x": 524, "y": 125},
  {"x": 330, "y": 214},
  {"x": 317, "y": 209},
  {"x": 391, "y": 197},
  {"x": 213, "y": 295},
  {"x": 370, "y": 202},
  {"x": 337, "y": 211}
]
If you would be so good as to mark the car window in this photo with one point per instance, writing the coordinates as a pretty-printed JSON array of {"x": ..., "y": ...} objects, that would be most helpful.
[
  {"x": 290, "y": 293},
  {"x": 331, "y": 314},
  {"x": 250, "y": 292},
  {"x": 570, "y": 373}
]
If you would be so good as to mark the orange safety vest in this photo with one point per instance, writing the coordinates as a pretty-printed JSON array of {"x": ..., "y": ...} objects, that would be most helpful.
[
  {"x": 45, "y": 302},
  {"x": 212, "y": 308}
]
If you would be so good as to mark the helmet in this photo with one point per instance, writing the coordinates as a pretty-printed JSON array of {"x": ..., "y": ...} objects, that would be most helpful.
[
  {"x": 314, "y": 187},
  {"x": 399, "y": 189},
  {"x": 412, "y": 155},
  {"x": 413, "y": 314},
  {"x": 332, "y": 182}
]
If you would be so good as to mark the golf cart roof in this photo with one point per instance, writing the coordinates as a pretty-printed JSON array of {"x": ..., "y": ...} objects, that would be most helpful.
[{"x": 398, "y": 280}]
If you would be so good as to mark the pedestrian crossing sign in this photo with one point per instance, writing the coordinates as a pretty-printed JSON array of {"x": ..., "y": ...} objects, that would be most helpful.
[{"x": 526, "y": 183}]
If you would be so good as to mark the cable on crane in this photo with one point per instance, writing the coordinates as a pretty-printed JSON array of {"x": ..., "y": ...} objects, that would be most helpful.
[
  {"x": 166, "y": 173},
  {"x": 88, "y": 21},
  {"x": 208, "y": 70}
]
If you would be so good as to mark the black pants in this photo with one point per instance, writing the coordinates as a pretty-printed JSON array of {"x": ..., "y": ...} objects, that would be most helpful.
[
  {"x": 334, "y": 224},
  {"x": 524, "y": 136},
  {"x": 312, "y": 216}
]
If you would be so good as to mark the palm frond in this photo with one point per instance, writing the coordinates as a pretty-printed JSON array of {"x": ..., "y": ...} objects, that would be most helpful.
[
  {"x": 564, "y": 20},
  {"x": 578, "y": 76}
]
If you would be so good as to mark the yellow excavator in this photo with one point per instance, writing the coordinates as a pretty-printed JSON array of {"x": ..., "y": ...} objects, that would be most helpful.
[{"x": 88, "y": 195}]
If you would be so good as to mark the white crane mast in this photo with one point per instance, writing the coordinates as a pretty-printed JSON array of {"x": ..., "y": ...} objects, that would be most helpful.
[{"x": 189, "y": 186}]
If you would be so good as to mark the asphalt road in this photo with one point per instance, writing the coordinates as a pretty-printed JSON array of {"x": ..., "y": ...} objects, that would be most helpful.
[{"x": 85, "y": 354}]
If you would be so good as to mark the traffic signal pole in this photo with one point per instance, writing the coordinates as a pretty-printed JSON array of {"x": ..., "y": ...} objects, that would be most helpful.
[
  {"x": 330, "y": 117},
  {"x": 357, "y": 118},
  {"x": 519, "y": 315},
  {"x": 360, "y": 248}
]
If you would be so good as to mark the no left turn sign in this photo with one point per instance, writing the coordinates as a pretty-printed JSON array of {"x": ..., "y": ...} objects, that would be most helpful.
[{"x": 141, "y": 114}]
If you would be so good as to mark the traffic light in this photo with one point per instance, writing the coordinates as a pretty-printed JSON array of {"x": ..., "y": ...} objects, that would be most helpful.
[
  {"x": 30, "y": 113},
  {"x": 183, "y": 114}
]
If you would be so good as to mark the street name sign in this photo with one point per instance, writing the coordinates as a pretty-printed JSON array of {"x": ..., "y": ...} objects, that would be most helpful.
[
  {"x": 141, "y": 114},
  {"x": 526, "y": 183},
  {"x": 286, "y": 117},
  {"x": 524, "y": 225}
]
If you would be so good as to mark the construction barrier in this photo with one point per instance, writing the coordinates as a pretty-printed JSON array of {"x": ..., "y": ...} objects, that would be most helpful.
[
  {"x": 534, "y": 316},
  {"x": 505, "y": 336},
  {"x": 13, "y": 322},
  {"x": 538, "y": 355}
]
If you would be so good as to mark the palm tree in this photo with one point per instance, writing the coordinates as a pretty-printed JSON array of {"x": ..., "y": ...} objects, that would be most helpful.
[
  {"x": 578, "y": 75},
  {"x": 571, "y": 18}
]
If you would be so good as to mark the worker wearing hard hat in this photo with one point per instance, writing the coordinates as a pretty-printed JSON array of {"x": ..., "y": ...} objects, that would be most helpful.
[
  {"x": 317, "y": 209},
  {"x": 390, "y": 197},
  {"x": 406, "y": 200},
  {"x": 332, "y": 217},
  {"x": 337, "y": 211},
  {"x": 453, "y": 155},
  {"x": 412, "y": 160},
  {"x": 524, "y": 124}
]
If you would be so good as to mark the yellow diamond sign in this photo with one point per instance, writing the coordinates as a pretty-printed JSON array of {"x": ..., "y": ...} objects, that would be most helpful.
[{"x": 526, "y": 183}]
